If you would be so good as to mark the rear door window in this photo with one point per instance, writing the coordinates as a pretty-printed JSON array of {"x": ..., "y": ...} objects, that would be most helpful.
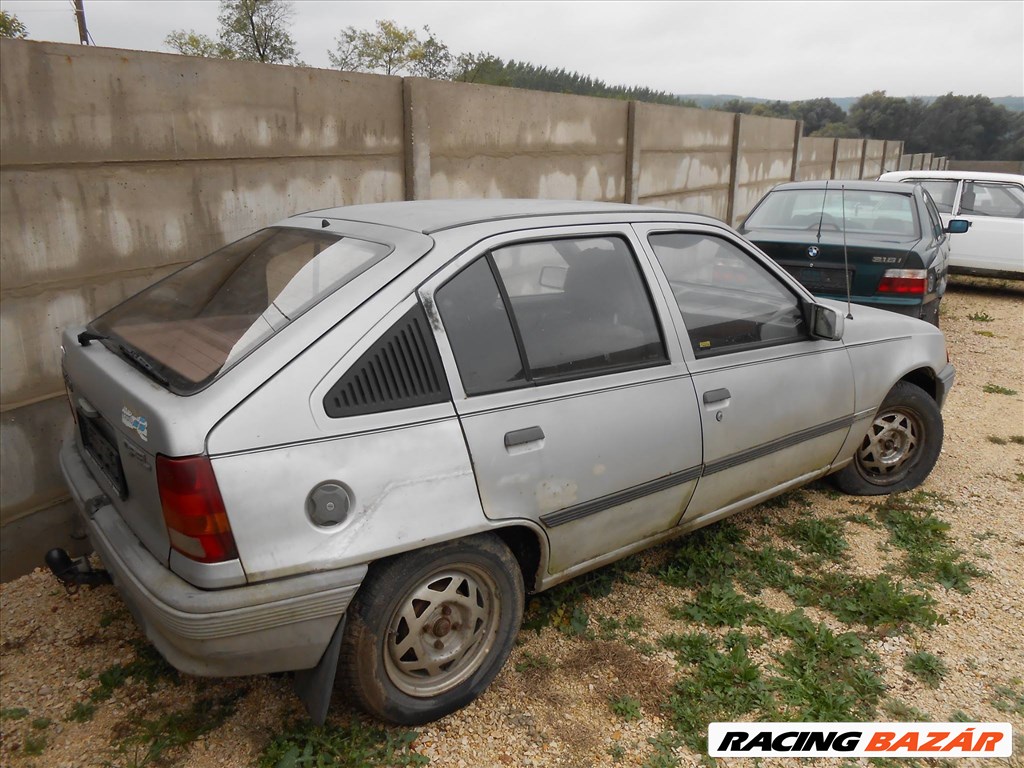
[
  {"x": 992, "y": 199},
  {"x": 541, "y": 311}
]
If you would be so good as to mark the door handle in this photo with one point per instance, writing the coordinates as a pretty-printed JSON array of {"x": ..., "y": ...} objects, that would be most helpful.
[
  {"x": 716, "y": 396},
  {"x": 521, "y": 436}
]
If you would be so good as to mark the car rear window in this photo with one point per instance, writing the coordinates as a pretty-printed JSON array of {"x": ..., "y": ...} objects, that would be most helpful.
[
  {"x": 195, "y": 324},
  {"x": 889, "y": 214}
]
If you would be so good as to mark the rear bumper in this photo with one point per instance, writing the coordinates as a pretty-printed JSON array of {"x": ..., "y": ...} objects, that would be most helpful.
[{"x": 254, "y": 629}]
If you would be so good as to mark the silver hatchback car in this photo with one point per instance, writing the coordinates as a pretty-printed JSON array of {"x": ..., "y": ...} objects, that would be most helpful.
[{"x": 348, "y": 444}]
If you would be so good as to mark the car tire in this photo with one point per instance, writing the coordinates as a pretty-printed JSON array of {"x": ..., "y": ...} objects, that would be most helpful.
[
  {"x": 429, "y": 630},
  {"x": 900, "y": 448}
]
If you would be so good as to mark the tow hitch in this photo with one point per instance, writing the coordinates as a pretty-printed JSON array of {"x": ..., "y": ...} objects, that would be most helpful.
[{"x": 74, "y": 573}]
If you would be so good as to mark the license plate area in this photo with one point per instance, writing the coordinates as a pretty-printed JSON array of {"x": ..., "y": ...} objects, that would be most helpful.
[
  {"x": 823, "y": 279},
  {"x": 101, "y": 445}
]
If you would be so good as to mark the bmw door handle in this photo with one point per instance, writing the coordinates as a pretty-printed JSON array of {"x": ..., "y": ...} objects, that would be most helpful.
[
  {"x": 523, "y": 436},
  {"x": 716, "y": 396}
]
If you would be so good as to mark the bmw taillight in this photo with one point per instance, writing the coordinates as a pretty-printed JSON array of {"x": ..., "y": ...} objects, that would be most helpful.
[
  {"x": 912, "y": 282},
  {"x": 197, "y": 523}
]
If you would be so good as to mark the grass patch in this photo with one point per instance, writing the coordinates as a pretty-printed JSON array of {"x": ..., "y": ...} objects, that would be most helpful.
[
  {"x": 531, "y": 662},
  {"x": 818, "y": 537},
  {"x": 151, "y": 740},
  {"x": 987, "y": 334},
  {"x": 1009, "y": 698},
  {"x": 561, "y": 607},
  {"x": 981, "y": 317},
  {"x": 718, "y": 605},
  {"x": 81, "y": 712},
  {"x": 13, "y": 713},
  {"x": 353, "y": 745},
  {"x": 710, "y": 555},
  {"x": 928, "y": 554},
  {"x": 34, "y": 745},
  {"x": 926, "y": 667},
  {"x": 995, "y": 389},
  {"x": 625, "y": 707},
  {"x": 904, "y": 713}
]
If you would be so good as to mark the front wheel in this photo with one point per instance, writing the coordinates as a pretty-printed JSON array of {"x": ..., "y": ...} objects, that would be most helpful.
[
  {"x": 899, "y": 449},
  {"x": 429, "y": 630}
]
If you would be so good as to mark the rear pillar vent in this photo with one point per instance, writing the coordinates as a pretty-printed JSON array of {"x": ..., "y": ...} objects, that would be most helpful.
[{"x": 401, "y": 370}]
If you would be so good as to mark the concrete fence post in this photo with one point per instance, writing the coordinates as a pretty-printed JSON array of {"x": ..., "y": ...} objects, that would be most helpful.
[
  {"x": 734, "y": 170},
  {"x": 798, "y": 133},
  {"x": 416, "y": 140},
  {"x": 863, "y": 157},
  {"x": 632, "y": 156},
  {"x": 835, "y": 158}
]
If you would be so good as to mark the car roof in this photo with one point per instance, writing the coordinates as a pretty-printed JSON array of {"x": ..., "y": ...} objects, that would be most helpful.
[
  {"x": 850, "y": 184},
  {"x": 429, "y": 216},
  {"x": 972, "y": 175}
]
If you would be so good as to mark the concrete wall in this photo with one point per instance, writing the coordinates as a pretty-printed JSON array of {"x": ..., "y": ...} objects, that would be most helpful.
[
  {"x": 119, "y": 166},
  {"x": 987, "y": 166},
  {"x": 684, "y": 158}
]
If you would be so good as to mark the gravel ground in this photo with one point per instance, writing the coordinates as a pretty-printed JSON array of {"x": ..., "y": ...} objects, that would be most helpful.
[{"x": 79, "y": 686}]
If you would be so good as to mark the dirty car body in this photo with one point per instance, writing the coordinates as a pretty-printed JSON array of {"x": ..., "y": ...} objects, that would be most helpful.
[
  {"x": 362, "y": 435},
  {"x": 884, "y": 243}
]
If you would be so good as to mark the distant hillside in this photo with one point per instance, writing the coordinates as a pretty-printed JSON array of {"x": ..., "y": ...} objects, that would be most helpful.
[{"x": 710, "y": 101}]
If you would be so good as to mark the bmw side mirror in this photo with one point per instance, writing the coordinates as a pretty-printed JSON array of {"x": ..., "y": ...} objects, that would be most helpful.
[
  {"x": 826, "y": 323},
  {"x": 958, "y": 226}
]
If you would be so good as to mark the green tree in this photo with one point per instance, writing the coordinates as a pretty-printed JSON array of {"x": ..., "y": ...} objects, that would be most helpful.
[
  {"x": 11, "y": 26},
  {"x": 390, "y": 50},
  {"x": 257, "y": 30},
  {"x": 967, "y": 127},
  {"x": 817, "y": 113},
  {"x": 836, "y": 130},
  {"x": 432, "y": 58},
  {"x": 192, "y": 43},
  {"x": 877, "y": 116}
]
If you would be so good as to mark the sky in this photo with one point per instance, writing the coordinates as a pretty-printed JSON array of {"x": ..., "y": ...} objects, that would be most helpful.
[{"x": 773, "y": 50}]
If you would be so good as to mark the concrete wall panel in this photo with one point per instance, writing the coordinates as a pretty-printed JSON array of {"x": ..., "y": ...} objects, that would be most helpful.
[
  {"x": 487, "y": 141},
  {"x": 765, "y": 160},
  {"x": 30, "y": 438},
  {"x": 874, "y": 159},
  {"x": 74, "y": 222},
  {"x": 815, "y": 158},
  {"x": 848, "y": 157},
  {"x": 76, "y": 104},
  {"x": 685, "y": 158}
]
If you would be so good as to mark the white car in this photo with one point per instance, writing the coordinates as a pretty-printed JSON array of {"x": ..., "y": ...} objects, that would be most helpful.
[{"x": 993, "y": 203}]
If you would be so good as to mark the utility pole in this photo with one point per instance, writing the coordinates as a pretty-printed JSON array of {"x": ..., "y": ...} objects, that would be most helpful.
[{"x": 83, "y": 31}]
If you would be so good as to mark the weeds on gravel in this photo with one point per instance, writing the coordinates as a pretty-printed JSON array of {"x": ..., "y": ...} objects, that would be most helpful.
[
  {"x": 353, "y": 745},
  {"x": 81, "y": 712},
  {"x": 981, "y": 317},
  {"x": 529, "y": 662},
  {"x": 995, "y": 389},
  {"x": 663, "y": 755},
  {"x": 928, "y": 553},
  {"x": 996, "y": 440},
  {"x": 904, "y": 713},
  {"x": 1009, "y": 698},
  {"x": 561, "y": 607},
  {"x": 1017, "y": 439},
  {"x": 625, "y": 707},
  {"x": 926, "y": 667},
  {"x": 13, "y": 713},
  {"x": 986, "y": 334},
  {"x": 149, "y": 741},
  {"x": 823, "y": 538}
]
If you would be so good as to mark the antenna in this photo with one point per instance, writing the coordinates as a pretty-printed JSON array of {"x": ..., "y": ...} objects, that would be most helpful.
[
  {"x": 821, "y": 216},
  {"x": 846, "y": 259}
]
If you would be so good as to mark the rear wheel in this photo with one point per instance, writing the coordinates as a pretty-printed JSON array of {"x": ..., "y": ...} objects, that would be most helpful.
[
  {"x": 429, "y": 630},
  {"x": 900, "y": 447}
]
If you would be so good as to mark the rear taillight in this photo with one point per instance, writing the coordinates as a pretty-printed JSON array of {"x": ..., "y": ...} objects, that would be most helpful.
[
  {"x": 904, "y": 281},
  {"x": 197, "y": 523}
]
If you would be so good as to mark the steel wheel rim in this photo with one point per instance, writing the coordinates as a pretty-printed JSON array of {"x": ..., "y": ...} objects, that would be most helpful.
[
  {"x": 891, "y": 446},
  {"x": 441, "y": 631}
]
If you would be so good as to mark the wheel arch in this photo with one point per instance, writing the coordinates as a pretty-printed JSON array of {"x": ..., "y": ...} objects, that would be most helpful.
[{"x": 925, "y": 379}]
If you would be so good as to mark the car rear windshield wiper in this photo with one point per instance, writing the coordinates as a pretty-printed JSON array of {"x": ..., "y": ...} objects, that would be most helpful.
[
  {"x": 143, "y": 365},
  {"x": 85, "y": 337}
]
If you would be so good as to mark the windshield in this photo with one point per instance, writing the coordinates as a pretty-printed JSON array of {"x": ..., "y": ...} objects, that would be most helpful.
[
  {"x": 865, "y": 212},
  {"x": 194, "y": 325}
]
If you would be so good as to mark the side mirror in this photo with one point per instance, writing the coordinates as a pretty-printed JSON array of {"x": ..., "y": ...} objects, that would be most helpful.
[
  {"x": 826, "y": 323},
  {"x": 958, "y": 226}
]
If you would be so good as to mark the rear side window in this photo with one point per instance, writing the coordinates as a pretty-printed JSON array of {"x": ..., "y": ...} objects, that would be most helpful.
[
  {"x": 542, "y": 311},
  {"x": 992, "y": 199},
  {"x": 943, "y": 191},
  {"x": 728, "y": 301}
]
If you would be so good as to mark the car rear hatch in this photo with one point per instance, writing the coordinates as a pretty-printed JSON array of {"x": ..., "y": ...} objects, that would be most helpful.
[{"x": 822, "y": 267}]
